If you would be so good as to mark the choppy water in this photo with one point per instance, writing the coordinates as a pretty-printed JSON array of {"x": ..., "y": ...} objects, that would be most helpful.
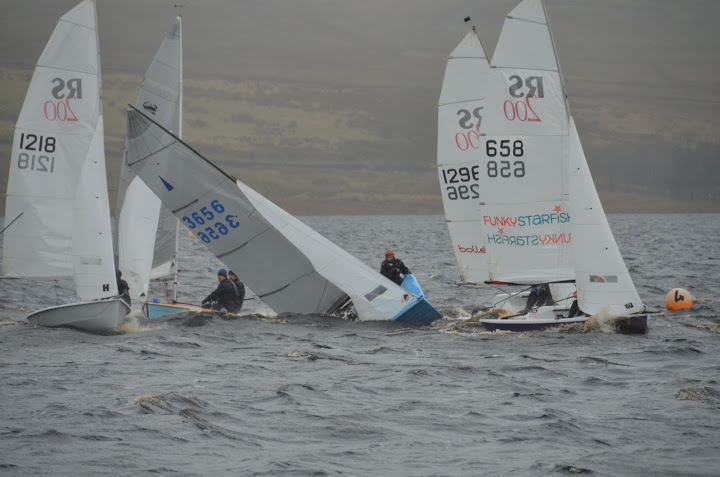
[{"x": 310, "y": 395}]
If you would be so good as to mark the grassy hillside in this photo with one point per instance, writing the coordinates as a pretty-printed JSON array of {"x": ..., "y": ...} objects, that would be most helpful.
[{"x": 314, "y": 149}]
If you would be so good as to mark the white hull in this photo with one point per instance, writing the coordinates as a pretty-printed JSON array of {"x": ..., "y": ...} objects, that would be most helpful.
[{"x": 98, "y": 315}]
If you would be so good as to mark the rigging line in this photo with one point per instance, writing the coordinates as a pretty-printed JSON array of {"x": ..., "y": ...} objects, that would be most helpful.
[
  {"x": 511, "y": 295},
  {"x": 8, "y": 225}
]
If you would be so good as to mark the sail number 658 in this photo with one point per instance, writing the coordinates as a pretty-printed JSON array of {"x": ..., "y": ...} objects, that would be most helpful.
[{"x": 505, "y": 149}]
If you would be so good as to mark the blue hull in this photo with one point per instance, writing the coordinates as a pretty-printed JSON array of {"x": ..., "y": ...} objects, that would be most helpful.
[
  {"x": 156, "y": 310},
  {"x": 421, "y": 312}
]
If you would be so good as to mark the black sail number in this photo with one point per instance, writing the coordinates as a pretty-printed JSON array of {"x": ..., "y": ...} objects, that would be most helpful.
[{"x": 505, "y": 148}]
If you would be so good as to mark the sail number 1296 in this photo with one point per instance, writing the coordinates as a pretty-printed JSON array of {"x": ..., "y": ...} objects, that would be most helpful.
[{"x": 458, "y": 176}]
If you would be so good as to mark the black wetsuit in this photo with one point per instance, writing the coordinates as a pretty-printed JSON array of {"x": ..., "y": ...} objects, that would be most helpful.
[
  {"x": 123, "y": 289},
  {"x": 393, "y": 268},
  {"x": 539, "y": 296},
  {"x": 223, "y": 296},
  {"x": 240, "y": 286}
]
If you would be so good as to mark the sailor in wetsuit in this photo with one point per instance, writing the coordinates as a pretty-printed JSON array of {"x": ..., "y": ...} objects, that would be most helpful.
[
  {"x": 123, "y": 287},
  {"x": 393, "y": 268},
  {"x": 224, "y": 296},
  {"x": 539, "y": 296},
  {"x": 240, "y": 287}
]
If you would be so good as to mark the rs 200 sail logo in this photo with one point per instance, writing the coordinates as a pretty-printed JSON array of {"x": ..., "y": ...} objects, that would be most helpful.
[{"x": 63, "y": 91}]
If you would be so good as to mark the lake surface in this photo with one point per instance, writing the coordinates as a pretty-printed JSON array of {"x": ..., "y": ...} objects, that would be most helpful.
[{"x": 264, "y": 394}]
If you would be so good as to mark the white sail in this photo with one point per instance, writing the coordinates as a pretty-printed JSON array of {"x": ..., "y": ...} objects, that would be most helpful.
[
  {"x": 523, "y": 175},
  {"x": 147, "y": 231},
  {"x": 57, "y": 149},
  {"x": 287, "y": 264},
  {"x": 460, "y": 112},
  {"x": 603, "y": 281},
  {"x": 93, "y": 262}
]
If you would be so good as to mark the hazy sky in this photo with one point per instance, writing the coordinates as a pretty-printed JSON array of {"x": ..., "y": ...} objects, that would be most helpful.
[{"x": 658, "y": 42}]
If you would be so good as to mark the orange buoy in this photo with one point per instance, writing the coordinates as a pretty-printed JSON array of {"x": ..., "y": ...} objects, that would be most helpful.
[
  {"x": 192, "y": 235},
  {"x": 677, "y": 299}
]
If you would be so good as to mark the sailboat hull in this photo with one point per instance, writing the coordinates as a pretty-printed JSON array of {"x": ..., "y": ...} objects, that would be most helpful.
[
  {"x": 634, "y": 324},
  {"x": 530, "y": 324},
  {"x": 98, "y": 315},
  {"x": 419, "y": 313},
  {"x": 157, "y": 310}
]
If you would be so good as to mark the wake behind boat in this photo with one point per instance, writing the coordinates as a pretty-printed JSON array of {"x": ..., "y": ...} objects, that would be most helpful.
[
  {"x": 57, "y": 188},
  {"x": 288, "y": 265}
]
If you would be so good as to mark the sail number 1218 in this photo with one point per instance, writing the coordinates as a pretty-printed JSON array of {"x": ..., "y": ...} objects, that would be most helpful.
[{"x": 37, "y": 162}]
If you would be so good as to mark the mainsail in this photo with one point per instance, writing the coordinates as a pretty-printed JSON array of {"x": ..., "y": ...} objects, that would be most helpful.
[
  {"x": 147, "y": 231},
  {"x": 459, "y": 152},
  {"x": 523, "y": 174},
  {"x": 289, "y": 266},
  {"x": 57, "y": 171}
]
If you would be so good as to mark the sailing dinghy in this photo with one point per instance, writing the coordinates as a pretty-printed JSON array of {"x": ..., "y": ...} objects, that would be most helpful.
[
  {"x": 148, "y": 231},
  {"x": 532, "y": 141},
  {"x": 288, "y": 265},
  {"x": 57, "y": 185}
]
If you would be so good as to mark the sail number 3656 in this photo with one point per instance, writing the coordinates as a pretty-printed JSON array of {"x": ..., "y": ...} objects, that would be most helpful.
[
  {"x": 212, "y": 216},
  {"x": 505, "y": 148}
]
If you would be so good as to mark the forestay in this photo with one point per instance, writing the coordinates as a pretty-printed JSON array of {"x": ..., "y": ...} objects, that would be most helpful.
[
  {"x": 57, "y": 168},
  {"x": 147, "y": 231},
  {"x": 459, "y": 152},
  {"x": 603, "y": 281},
  {"x": 523, "y": 176},
  {"x": 288, "y": 265}
]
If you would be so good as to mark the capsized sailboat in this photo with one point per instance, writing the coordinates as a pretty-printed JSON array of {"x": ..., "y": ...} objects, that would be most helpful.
[
  {"x": 148, "y": 231},
  {"x": 57, "y": 185},
  {"x": 288, "y": 265},
  {"x": 532, "y": 140}
]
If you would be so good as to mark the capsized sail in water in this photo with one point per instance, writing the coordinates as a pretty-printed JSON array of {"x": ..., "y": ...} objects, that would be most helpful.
[
  {"x": 57, "y": 183},
  {"x": 288, "y": 265}
]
